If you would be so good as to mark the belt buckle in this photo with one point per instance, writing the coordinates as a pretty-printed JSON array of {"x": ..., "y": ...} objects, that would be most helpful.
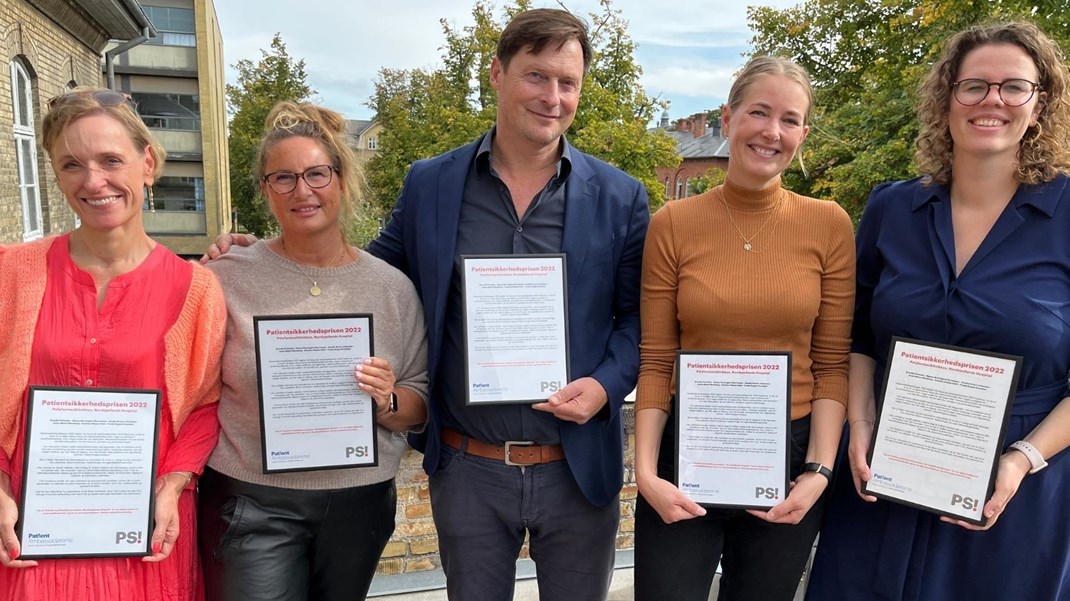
[{"x": 517, "y": 443}]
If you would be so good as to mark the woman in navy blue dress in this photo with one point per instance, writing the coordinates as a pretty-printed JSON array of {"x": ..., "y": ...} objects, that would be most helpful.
[{"x": 975, "y": 254}]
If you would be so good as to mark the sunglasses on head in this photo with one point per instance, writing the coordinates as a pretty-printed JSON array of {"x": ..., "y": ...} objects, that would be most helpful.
[{"x": 103, "y": 97}]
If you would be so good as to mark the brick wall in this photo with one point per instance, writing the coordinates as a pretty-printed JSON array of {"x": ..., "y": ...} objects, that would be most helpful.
[
  {"x": 414, "y": 546},
  {"x": 53, "y": 58}
]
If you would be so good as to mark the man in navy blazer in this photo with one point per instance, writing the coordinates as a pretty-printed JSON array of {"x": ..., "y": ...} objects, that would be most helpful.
[
  {"x": 523, "y": 189},
  {"x": 551, "y": 471}
]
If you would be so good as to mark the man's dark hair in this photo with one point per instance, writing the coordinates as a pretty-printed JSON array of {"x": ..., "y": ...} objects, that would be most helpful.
[{"x": 541, "y": 26}]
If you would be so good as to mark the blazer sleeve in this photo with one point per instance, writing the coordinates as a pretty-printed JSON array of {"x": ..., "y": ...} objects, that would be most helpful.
[
  {"x": 389, "y": 245},
  {"x": 619, "y": 370}
]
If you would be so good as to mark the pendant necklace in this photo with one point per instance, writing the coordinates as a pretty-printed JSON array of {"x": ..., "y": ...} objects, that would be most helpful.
[
  {"x": 315, "y": 289},
  {"x": 747, "y": 246}
]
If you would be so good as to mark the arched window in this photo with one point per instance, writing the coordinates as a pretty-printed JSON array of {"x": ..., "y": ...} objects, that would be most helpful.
[
  {"x": 26, "y": 152},
  {"x": 668, "y": 188},
  {"x": 679, "y": 188},
  {"x": 687, "y": 186}
]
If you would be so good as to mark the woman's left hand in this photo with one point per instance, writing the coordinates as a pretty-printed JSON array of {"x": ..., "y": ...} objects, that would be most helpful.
[
  {"x": 805, "y": 491},
  {"x": 376, "y": 378},
  {"x": 168, "y": 488},
  {"x": 1013, "y": 467}
]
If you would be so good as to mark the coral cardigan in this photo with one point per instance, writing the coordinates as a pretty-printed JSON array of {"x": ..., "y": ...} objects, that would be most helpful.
[{"x": 192, "y": 347}]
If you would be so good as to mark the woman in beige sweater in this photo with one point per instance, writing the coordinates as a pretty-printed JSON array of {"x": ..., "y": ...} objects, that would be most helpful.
[{"x": 747, "y": 266}]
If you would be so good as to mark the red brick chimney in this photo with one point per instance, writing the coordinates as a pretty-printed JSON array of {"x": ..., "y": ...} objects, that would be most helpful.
[{"x": 700, "y": 124}]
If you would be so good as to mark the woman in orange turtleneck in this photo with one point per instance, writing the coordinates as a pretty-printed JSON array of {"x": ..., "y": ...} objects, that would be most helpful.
[{"x": 746, "y": 266}]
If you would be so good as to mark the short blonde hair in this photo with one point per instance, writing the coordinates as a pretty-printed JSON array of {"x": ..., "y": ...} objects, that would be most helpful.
[
  {"x": 291, "y": 119},
  {"x": 1042, "y": 152},
  {"x": 85, "y": 101}
]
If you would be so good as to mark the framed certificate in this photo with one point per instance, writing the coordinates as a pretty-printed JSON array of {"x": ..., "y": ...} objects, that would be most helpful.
[
  {"x": 515, "y": 328},
  {"x": 312, "y": 414},
  {"x": 940, "y": 425},
  {"x": 733, "y": 416},
  {"x": 89, "y": 472}
]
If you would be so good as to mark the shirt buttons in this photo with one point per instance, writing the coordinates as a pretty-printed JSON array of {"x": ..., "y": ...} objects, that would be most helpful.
[
  {"x": 92, "y": 341},
  {"x": 89, "y": 382},
  {"x": 520, "y": 228}
]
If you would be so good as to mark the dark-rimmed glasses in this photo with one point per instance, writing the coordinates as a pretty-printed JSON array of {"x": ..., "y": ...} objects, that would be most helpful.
[
  {"x": 103, "y": 97},
  {"x": 284, "y": 182},
  {"x": 1013, "y": 92}
]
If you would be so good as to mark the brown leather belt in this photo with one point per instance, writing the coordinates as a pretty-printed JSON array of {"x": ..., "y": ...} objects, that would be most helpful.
[{"x": 515, "y": 452}]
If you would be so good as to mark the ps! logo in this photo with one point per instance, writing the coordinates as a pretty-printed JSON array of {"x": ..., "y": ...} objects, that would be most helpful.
[
  {"x": 766, "y": 492},
  {"x": 551, "y": 386},
  {"x": 131, "y": 537},
  {"x": 361, "y": 451},
  {"x": 968, "y": 503}
]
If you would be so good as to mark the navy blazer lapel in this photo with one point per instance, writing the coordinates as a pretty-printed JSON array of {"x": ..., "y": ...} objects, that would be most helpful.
[
  {"x": 449, "y": 183},
  {"x": 581, "y": 194}
]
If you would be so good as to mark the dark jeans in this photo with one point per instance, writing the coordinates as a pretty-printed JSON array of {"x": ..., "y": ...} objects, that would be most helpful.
[
  {"x": 759, "y": 561},
  {"x": 261, "y": 543},
  {"x": 482, "y": 510}
]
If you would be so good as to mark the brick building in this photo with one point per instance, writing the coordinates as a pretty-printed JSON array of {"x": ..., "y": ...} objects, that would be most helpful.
[
  {"x": 701, "y": 147},
  {"x": 49, "y": 46}
]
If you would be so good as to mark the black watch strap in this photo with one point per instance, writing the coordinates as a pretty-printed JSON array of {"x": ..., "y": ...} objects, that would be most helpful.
[{"x": 817, "y": 467}]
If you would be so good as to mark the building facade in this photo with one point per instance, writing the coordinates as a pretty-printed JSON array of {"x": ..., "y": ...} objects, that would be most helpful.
[
  {"x": 364, "y": 138},
  {"x": 701, "y": 147},
  {"x": 49, "y": 47},
  {"x": 177, "y": 81}
]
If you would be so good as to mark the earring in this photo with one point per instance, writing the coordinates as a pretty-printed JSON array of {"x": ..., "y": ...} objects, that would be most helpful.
[{"x": 152, "y": 201}]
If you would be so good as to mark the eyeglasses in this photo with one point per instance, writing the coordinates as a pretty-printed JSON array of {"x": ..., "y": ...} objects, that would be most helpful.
[
  {"x": 1013, "y": 92},
  {"x": 103, "y": 97},
  {"x": 284, "y": 182}
]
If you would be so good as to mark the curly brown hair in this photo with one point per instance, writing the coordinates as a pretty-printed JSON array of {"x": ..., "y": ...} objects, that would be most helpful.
[
  {"x": 1043, "y": 151},
  {"x": 291, "y": 119}
]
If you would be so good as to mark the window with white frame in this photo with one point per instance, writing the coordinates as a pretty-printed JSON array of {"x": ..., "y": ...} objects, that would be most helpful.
[
  {"x": 26, "y": 152},
  {"x": 373, "y": 143},
  {"x": 679, "y": 187}
]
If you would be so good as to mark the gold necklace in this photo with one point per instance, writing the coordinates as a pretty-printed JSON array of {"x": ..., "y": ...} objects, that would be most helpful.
[
  {"x": 747, "y": 246},
  {"x": 315, "y": 289}
]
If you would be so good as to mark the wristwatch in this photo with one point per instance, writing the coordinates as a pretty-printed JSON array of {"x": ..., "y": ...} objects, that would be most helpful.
[
  {"x": 393, "y": 402},
  {"x": 1036, "y": 460},
  {"x": 813, "y": 466}
]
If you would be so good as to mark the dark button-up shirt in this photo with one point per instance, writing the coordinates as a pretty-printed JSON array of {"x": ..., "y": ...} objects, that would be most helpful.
[{"x": 489, "y": 225}]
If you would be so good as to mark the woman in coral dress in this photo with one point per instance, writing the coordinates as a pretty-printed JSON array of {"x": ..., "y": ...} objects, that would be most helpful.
[{"x": 105, "y": 306}]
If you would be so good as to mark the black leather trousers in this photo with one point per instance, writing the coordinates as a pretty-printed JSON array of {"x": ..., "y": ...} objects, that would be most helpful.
[{"x": 261, "y": 543}]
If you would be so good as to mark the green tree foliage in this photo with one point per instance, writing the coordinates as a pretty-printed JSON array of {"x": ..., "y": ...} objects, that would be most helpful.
[
  {"x": 711, "y": 178},
  {"x": 277, "y": 76},
  {"x": 867, "y": 58},
  {"x": 425, "y": 112}
]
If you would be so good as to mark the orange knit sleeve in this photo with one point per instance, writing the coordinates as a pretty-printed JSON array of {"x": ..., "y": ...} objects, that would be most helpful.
[{"x": 660, "y": 327}]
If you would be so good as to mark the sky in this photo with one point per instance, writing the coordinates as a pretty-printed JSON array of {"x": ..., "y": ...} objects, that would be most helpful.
[{"x": 689, "y": 49}]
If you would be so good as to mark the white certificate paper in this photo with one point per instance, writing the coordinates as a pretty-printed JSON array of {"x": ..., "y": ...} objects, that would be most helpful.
[
  {"x": 940, "y": 428},
  {"x": 733, "y": 412},
  {"x": 89, "y": 473},
  {"x": 312, "y": 414},
  {"x": 516, "y": 328}
]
